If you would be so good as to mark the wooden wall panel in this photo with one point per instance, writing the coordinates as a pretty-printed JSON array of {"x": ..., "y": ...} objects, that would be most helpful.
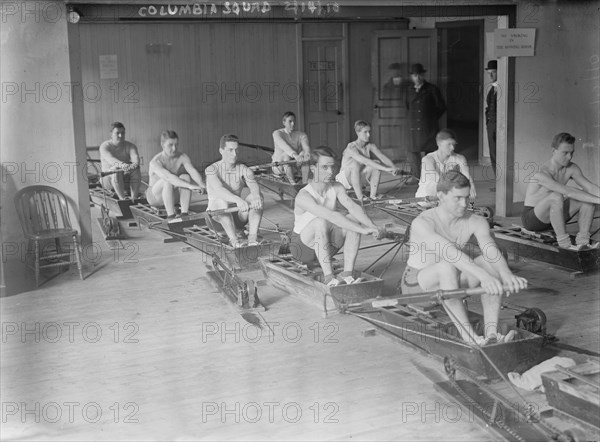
[{"x": 201, "y": 80}]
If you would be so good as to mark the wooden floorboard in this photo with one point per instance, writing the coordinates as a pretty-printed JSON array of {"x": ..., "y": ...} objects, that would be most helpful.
[{"x": 176, "y": 359}]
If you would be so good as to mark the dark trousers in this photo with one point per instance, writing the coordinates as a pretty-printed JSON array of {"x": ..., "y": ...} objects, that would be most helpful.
[
  {"x": 491, "y": 134},
  {"x": 414, "y": 158}
]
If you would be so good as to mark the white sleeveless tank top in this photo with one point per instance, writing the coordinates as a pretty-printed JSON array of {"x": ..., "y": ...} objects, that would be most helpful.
[{"x": 328, "y": 200}]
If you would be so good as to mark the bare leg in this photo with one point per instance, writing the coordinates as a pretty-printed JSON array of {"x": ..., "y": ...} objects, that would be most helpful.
[
  {"x": 373, "y": 176},
  {"x": 353, "y": 175},
  {"x": 317, "y": 233},
  {"x": 168, "y": 198},
  {"x": 586, "y": 216},
  {"x": 551, "y": 209},
  {"x": 226, "y": 220},
  {"x": 118, "y": 185},
  {"x": 446, "y": 276},
  {"x": 253, "y": 218},
  {"x": 491, "y": 303},
  {"x": 134, "y": 183},
  {"x": 185, "y": 195}
]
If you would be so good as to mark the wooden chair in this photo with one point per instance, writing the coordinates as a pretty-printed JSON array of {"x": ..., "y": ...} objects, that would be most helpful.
[{"x": 44, "y": 216}]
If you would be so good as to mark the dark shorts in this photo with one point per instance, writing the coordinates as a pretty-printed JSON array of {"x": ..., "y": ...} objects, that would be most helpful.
[
  {"x": 409, "y": 283},
  {"x": 300, "y": 251},
  {"x": 530, "y": 221}
]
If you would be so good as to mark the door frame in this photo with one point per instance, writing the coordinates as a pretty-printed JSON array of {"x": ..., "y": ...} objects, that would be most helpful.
[
  {"x": 442, "y": 66},
  {"x": 343, "y": 38}
]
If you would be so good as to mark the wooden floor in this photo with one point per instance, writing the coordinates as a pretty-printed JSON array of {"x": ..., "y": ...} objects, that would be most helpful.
[{"x": 146, "y": 348}]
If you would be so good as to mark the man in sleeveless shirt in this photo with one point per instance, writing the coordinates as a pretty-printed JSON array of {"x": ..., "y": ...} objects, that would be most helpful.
[
  {"x": 119, "y": 154},
  {"x": 322, "y": 230},
  {"x": 438, "y": 259},
  {"x": 289, "y": 144},
  {"x": 549, "y": 202},
  {"x": 172, "y": 177},
  {"x": 357, "y": 166},
  {"x": 226, "y": 180},
  {"x": 434, "y": 164}
]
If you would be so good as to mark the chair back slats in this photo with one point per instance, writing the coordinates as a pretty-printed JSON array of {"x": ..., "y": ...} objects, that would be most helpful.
[{"x": 42, "y": 208}]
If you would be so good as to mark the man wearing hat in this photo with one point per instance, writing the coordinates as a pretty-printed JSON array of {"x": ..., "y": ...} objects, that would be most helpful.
[
  {"x": 490, "y": 110},
  {"x": 425, "y": 105}
]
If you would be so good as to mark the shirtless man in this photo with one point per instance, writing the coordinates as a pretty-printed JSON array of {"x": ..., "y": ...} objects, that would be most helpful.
[
  {"x": 225, "y": 180},
  {"x": 290, "y": 144},
  {"x": 434, "y": 164},
  {"x": 438, "y": 259},
  {"x": 357, "y": 166},
  {"x": 171, "y": 173},
  {"x": 121, "y": 155},
  {"x": 322, "y": 230},
  {"x": 549, "y": 201}
]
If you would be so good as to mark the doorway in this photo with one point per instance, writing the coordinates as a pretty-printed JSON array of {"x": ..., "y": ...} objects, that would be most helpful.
[{"x": 461, "y": 81}]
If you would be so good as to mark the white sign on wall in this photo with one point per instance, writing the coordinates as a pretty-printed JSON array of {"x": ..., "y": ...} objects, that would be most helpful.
[
  {"x": 109, "y": 67},
  {"x": 514, "y": 42}
]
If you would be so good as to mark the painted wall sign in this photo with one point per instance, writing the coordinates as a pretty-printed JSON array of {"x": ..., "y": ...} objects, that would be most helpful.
[
  {"x": 514, "y": 42},
  {"x": 109, "y": 67},
  {"x": 235, "y": 8}
]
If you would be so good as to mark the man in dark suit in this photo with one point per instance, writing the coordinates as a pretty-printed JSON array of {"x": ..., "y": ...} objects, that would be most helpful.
[
  {"x": 490, "y": 110},
  {"x": 425, "y": 106}
]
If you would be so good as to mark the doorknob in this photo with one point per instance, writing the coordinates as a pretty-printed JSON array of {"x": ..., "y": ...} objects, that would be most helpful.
[
  {"x": 340, "y": 112},
  {"x": 375, "y": 106}
]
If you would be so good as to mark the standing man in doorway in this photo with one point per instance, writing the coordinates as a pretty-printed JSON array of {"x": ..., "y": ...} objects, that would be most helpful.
[
  {"x": 425, "y": 105},
  {"x": 490, "y": 111}
]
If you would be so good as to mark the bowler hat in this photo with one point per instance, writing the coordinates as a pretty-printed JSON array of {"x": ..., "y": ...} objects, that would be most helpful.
[
  {"x": 492, "y": 64},
  {"x": 417, "y": 68}
]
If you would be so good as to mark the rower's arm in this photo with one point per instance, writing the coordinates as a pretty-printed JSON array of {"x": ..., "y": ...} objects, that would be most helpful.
[
  {"x": 280, "y": 143},
  {"x": 189, "y": 168},
  {"x": 492, "y": 254},
  {"x": 106, "y": 154},
  {"x": 353, "y": 209},
  {"x": 583, "y": 182},
  {"x": 157, "y": 167},
  {"x": 544, "y": 179},
  {"x": 464, "y": 169},
  {"x": 382, "y": 157},
  {"x": 305, "y": 145},
  {"x": 215, "y": 188},
  {"x": 429, "y": 242},
  {"x": 134, "y": 157},
  {"x": 306, "y": 202},
  {"x": 429, "y": 176},
  {"x": 250, "y": 180},
  {"x": 359, "y": 157}
]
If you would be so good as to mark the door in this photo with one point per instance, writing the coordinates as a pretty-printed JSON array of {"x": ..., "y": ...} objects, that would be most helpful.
[
  {"x": 390, "y": 129},
  {"x": 324, "y": 93}
]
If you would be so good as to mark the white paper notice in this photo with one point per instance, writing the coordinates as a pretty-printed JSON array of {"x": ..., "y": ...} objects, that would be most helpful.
[
  {"x": 109, "y": 67},
  {"x": 514, "y": 42}
]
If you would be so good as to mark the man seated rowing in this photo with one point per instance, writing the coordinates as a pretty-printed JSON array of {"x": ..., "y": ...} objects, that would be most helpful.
[
  {"x": 434, "y": 164},
  {"x": 121, "y": 156},
  {"x": 358, "y": 168},
  {"x": 289, "y": 143},
  {"x": 439, "y": 259},
  {"x": 549, "y": 202},
  {"x": 226, "y": 180},
  {"x": 171, "y": 174},
  {"x": 319, "y": 228}
]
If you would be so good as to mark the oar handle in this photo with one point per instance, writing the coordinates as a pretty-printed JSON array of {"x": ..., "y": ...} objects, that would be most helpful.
[
  {"x": 434, "y": 295},
  {"x": 257, "y": 146},
  {"x": 222, "y": 211},
  {"x": 422, "y": 199},
  {"x": 273, "y": 164},
  {"x": 110, "y": 172}
]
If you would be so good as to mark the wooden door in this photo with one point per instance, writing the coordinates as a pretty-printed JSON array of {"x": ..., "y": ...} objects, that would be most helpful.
[
  {"x": 390, "y": 129},
  {"x": 324, "y": 106}
]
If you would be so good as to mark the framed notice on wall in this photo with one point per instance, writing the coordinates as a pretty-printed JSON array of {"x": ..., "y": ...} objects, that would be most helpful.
[
  {"x": 109, "y": 67},
  {"x": 514, "y": 42}
]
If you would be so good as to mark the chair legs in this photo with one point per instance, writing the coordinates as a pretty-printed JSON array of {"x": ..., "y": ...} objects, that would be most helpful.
[
  {"x": 78, "y": 257},
  {"x": 37, "y": 263}
]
